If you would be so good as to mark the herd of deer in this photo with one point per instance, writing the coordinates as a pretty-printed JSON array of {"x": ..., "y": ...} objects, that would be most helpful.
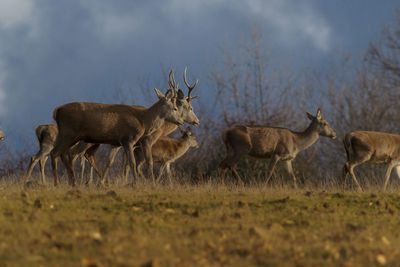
[{"x": 81, "y": 127}]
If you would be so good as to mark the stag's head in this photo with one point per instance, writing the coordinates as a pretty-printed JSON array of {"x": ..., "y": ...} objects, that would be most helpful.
[
  {"x": 188, "y": 136},
  {"x": 183, "y": 103},
  {"x": 321, "y": 125},
  {"x": 168, "y": 107},
  {"x": 2, "y": 136}
]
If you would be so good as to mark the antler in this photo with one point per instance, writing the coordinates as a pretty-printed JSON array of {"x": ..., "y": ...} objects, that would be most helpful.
[
  {"x": 172, "y": 82},
  {"x": 188, "y": 86}
]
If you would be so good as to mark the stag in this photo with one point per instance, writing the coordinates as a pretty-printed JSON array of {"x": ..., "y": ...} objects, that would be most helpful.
[
  {"x": 371, "y": 147},
  {"x": 118, "y": 125},
  {"x": 143, "y": 150},
  {"x": 271, "y": 142}
]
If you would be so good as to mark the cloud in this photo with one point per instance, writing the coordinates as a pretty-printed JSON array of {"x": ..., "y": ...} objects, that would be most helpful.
[
  {"x": 293, "y": 21},
  {"x": 52, "y": 52},
  {"x": 15, "y": 13}
]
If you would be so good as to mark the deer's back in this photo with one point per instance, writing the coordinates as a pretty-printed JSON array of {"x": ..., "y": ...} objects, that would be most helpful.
[
  {"x": 382, "y": 146},
  {"x": 262, "y": 141},
  {"x": 96, "y": 122},
  {"x": 165, "y": 149},
  {"x": 47, "y": 133}
]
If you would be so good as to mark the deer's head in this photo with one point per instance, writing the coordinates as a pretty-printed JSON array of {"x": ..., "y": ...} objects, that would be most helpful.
[
  {"x": 168, "y": 107},
  {"x": 321, "y": 125},
  {"x": 188, "y": 136},
  {"x": 184, "y": 103}
]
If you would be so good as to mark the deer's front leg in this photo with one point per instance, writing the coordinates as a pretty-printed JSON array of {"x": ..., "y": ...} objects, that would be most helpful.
[{"x": 146, "y": 148}]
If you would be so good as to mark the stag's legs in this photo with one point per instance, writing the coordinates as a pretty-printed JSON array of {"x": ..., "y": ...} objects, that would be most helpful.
[
  {"x": 140, "y": 159},
  {"x": 145, "y": 146},
  {"x": 111, "y": 159},
  {"x": 70, "y": 169},
  {"x": 289, "y": 168},
  {"x": 272, "y": 163},
  {"x": 388, "y": 172},
  {"x": 82, "y": 163},
  {"x": 89, "y": 155},
  {"x": 63, "y": 144},
  {"x": 128, "y": 147},
  {"x": 43, "y": 153},
  {"x": 54, "y": 164}
]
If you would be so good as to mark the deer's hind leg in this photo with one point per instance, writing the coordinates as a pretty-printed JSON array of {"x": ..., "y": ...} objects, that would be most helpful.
[
  {"x": 89, "y": 155},
  {"x": 111, "y": 158},
  {"x": 235, "y": 153},
  {"x": 271, "y": 167},
  {"x": 289, "y": 168},
  {"x": 355, "y": 161},
  {"x": 388, "y": 172},
  {"x": 44, "y": 152},
  {"x": 42, "y": 163}
]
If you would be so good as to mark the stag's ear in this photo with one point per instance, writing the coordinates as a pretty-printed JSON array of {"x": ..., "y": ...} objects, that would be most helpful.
[
  {"x": 181, "y": 95},
  {"x": 169, "y": 94},
  {"x": 159, "y": 94},
  {"x": 319, "y": 117},
  {"x": 310, "y": 116}
]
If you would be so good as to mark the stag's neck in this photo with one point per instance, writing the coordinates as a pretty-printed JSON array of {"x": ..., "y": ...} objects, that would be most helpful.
[
  {"x": 152, "y": 118},
  {"x": 307, "y": 137}
]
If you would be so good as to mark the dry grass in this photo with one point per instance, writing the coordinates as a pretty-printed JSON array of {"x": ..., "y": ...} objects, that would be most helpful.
[{"x": 186, "y": 225}]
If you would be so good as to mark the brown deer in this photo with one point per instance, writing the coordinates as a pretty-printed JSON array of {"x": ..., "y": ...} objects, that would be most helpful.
[
  {"x": 167, "y": 150},
  {"x": 271, "y": 142},
  {"x": 372, "y": 147},
  {"x": 118, "y": 125},
  {"x": 143, "y": 149},
  {"x": 46, "y": 135}
]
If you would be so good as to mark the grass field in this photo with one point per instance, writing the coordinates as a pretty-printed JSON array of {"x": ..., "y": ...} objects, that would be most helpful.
[{"x": 203, "y": 225}]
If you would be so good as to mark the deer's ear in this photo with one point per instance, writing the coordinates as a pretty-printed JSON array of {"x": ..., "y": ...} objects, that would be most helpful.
[
  {"x": 310, "y": 116},
  {"x": 181, "y": 95},
  {"x": 159, "y": 94},
  {"x": 169, "y": 94},
  {"x": 319, "y": 117}
]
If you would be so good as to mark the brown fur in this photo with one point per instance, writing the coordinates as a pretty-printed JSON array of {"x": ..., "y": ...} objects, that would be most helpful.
[
  {"x": 46, "y": 135},
  {"x": 271, "y": 142},
  {"x": 110, "y": 124},
  {"x": 167, "y": 150},
  {"x": 372, "y": 147},
  {"x": 143, "y": 150}
]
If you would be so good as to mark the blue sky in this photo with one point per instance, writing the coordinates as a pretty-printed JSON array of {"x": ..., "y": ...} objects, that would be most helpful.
[{"x": 53, "y": 52}]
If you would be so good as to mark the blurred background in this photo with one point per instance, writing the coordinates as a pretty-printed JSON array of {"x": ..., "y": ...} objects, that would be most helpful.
[{"x": 257, "y": 62}]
